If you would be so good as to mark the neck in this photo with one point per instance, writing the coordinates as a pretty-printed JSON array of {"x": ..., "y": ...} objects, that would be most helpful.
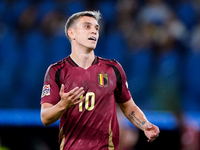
[{"x": 83, "y": 58}]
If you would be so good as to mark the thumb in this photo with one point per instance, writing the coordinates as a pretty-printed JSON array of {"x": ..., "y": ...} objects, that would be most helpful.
[
  {"x": 62, "y": 89},
  {"x": 149, "y": 126}
]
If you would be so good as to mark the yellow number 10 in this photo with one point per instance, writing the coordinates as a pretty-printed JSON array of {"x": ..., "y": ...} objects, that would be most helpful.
[{"x": 89, "y": 96}]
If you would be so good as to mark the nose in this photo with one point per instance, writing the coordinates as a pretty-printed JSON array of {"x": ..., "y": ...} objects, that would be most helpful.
[{"x": 94, "y": 31}]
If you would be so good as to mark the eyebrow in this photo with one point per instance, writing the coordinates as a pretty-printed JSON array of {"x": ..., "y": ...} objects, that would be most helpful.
[{"x": 97, "y": 25}]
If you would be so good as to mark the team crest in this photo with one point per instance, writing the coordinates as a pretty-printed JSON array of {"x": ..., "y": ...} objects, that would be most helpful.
[
  {"x": 45, "y": 90},
  {"x": 103, "y": 79}
]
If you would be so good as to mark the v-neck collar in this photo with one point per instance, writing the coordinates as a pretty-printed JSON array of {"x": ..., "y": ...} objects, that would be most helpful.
[{"x": 74, "y": 64}]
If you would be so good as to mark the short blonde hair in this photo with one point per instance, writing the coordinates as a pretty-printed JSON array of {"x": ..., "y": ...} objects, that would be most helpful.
[{"x": 73, "y": 18}]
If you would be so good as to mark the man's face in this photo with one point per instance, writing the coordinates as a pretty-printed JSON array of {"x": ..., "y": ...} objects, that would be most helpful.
[{"x": 86, "y": 32}]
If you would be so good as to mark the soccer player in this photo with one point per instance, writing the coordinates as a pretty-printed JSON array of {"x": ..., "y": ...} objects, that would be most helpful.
[{"x": 82, "y": 91}]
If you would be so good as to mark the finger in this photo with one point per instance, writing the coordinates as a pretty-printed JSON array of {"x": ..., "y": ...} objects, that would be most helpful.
[
  {"x": 77, "y": 94},
  {"x": 80, "y": 95},
  {"x": 157, "y": 135},
  {"x": 62, "y": 89},
  {"x": 156, "y": 130},
  {"x": 150, "y": 140},
  {"x": 153, "y": 137},
  {"x": 70, "y": 93},
  {"x": 80, "y": 100}
]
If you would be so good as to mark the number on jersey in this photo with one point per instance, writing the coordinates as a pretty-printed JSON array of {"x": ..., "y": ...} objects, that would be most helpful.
[{"x": 89, "y": 102}]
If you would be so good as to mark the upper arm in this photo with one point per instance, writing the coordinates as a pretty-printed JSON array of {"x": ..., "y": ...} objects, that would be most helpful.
[
  {"x": 46, "y": 105},
  {"x": 45, "y": 113}
]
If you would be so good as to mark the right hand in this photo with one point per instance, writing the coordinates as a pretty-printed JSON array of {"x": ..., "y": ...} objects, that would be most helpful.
[{"x": 71, "y": 98}]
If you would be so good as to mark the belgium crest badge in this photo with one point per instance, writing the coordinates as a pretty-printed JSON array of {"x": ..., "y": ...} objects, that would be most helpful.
[{"x": 103, "y": 79}]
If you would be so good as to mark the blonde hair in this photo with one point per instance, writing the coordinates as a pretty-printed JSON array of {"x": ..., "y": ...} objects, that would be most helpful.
[{"x": 73, "y": 18}]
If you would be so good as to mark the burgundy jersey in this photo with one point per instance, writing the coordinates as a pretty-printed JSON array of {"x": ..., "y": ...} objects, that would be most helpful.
[{"x": 91, "y": 124}]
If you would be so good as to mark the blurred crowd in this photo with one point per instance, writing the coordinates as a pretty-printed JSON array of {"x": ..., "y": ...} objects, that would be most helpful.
[{"x": 156, "y": 41}]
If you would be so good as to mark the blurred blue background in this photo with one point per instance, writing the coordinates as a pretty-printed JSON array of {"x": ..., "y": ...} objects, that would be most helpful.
[{"x": 156, "y": 41}]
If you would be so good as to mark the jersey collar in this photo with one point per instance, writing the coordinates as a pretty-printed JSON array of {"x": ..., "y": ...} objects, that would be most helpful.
[{"x": 72, "y": 63}]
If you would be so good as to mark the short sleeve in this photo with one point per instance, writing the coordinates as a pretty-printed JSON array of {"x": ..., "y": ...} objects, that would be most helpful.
[
  {"x": 50, "y": 90},
  {"x": 122, "y": 93}
]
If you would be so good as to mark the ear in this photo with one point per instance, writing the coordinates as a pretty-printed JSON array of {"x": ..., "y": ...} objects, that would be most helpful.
[{"x": 71, "y": 33}]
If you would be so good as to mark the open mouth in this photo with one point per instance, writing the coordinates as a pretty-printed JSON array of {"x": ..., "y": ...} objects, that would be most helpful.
[{"x": 92, "y": 38}]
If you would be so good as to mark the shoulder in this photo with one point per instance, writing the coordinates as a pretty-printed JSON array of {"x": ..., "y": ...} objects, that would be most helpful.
[
  {"x": 110, "y": 62},
  {"x": 53, "y": 68},
  {"x": 58, "y": 64}
]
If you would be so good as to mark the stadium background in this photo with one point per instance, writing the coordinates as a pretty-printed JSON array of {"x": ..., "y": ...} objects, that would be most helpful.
[{"x": 156, "y": 41}]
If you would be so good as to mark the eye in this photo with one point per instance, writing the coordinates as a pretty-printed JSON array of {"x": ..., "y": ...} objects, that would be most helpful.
[
  {"x": 87, "y": 26},
  {"x": 97, "y": 27}
]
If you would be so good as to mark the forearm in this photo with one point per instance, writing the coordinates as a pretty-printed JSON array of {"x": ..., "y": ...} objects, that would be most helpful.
[
  {"x": 134, "y": 114},
  {"x": 136, "y": 117},
  {"x": 52, "y": 113}
]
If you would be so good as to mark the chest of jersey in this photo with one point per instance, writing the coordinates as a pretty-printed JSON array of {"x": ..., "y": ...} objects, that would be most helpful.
[{"x": 99, "y": 79}]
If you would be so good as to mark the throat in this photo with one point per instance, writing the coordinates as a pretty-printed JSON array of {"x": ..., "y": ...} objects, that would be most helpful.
[
  {"x": 83, "y": 62},
  {"x": 85, "y": 65}
]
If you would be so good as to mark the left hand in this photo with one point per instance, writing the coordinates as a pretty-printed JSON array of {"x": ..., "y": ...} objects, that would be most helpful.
[{"x": 151, "y": 131}]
